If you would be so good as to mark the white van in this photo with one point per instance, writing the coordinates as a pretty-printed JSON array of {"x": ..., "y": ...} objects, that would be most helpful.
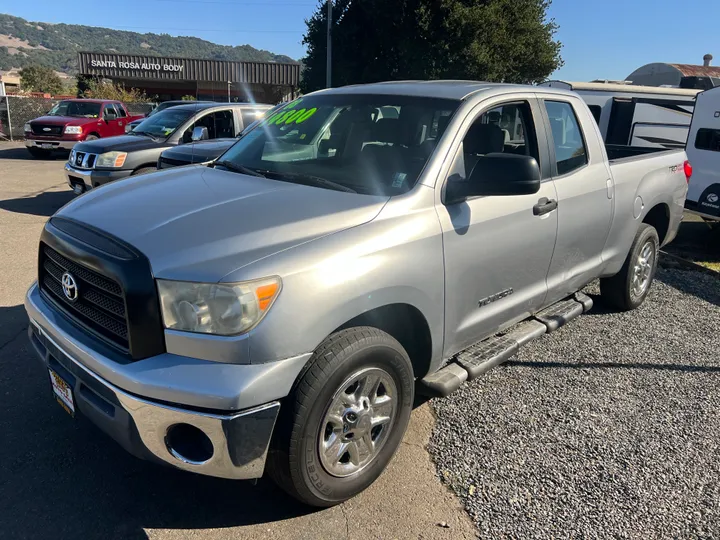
[
  {"x": 639, "y": 116},
  {"x": 703, "y": 150}
]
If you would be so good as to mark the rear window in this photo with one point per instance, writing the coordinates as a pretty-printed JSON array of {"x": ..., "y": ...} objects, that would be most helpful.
[{"x": 708, "y": 139}]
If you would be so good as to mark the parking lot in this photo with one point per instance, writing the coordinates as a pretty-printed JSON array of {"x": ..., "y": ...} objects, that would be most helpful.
[{"x": 606, "y": 428}]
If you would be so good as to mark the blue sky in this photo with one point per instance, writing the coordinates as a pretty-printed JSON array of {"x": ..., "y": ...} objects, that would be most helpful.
[{"x": 605, "y": 39}]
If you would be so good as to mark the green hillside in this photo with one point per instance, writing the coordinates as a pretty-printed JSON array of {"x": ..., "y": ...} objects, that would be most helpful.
[{"x": 23, "y": 43}]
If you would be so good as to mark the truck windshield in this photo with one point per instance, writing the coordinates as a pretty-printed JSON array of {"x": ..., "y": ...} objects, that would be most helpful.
[
  {"x": 372, "y": 144},
  {"x": 164, "y": 123},
  {"x": 80, "y": 109}
]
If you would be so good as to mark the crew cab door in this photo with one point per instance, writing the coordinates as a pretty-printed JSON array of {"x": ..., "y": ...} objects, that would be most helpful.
[
  {"x": 497, "y": 248},
  {"x": 111, "y": 121},
  {"x": 584, "y": 193}
]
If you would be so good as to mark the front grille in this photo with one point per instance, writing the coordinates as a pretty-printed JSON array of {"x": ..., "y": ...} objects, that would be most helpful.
[
  {"x": 82, "y": 160},
  {"x": 166, "y": 163},
  {"x": 100, "y": 305},
  {"x": 43, "y": 129}
]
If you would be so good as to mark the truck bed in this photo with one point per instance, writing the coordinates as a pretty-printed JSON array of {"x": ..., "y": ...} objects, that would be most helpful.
[{"x": 622, "y": 152}]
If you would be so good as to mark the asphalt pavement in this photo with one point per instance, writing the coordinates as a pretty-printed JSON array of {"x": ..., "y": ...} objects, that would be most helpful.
[{"x": 63, "y": 479}]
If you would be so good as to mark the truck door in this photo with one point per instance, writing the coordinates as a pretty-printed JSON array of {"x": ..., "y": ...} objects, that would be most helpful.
[
  {"x": 497, "y": 250},
  {"x": 584, "y": 194},
  {"x": 112, "y": 122},
  {"x": 122, "y": 117}
]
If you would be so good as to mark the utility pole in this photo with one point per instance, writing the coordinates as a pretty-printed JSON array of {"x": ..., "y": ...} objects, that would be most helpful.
[{"x": 328, "y": 72}]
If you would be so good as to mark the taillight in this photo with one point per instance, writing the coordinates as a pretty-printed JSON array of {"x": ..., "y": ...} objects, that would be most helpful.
[{"x": 688, "y": 170}]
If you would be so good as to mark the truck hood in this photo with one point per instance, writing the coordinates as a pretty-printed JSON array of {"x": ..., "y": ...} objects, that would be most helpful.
[
  {"x": 63, "y": 120},
  {"x": 199, "y": 152},
  {"x": 200, "y": 224},
  {"x": 120, "y": 143}
]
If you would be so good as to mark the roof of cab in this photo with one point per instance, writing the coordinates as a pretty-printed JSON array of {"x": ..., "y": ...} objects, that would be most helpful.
[
  {"x": 438, "y": 89},
  {"x": 202, "y": 105}
]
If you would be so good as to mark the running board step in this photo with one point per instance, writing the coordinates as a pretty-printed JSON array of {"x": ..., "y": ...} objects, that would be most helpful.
[
  {"x": 560, "y": 314},
  {"x": 493, "y": 351},
  {"x": 479, "y": 358}
]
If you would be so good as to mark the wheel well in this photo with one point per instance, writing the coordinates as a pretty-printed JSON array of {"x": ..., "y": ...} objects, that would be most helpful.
[
  {"x": 659, "y": 217},
  {"x": 94, "y": 133},
  {"x": 145, "y": 166},
  {"x": 406, "y": 324}
]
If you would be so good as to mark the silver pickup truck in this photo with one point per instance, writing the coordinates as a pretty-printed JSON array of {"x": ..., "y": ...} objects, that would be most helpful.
[{"x": 277, "y": 311}]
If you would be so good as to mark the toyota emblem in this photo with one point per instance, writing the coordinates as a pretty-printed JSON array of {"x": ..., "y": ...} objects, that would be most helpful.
[{"x": 69, "y": 286}]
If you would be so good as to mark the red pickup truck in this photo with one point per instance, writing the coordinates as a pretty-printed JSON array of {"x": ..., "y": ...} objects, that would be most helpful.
[{"x": 71, "y": 121}]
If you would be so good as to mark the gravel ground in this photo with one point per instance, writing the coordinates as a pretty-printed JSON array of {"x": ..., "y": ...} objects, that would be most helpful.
[{"x": 607, "y": 428}]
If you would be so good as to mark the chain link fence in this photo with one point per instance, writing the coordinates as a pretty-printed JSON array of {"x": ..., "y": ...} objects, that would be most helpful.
[{"x": 16, "y": 111}]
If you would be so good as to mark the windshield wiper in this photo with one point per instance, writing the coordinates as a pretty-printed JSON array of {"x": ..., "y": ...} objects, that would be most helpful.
[
  {"x": 307, "y": 179},
  {"x": 234, "y": 167}
]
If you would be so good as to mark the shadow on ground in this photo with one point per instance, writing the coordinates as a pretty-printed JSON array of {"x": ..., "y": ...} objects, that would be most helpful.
[
  {"x": 63, "y": 478},
  {"x": 696, "y": 241},
  {"x": 45, "y": 203},
  {"x": 21, "y": 153}
]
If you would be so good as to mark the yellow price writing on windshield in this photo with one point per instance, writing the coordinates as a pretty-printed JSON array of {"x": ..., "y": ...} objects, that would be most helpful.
[{"x": 291, "y": 115}]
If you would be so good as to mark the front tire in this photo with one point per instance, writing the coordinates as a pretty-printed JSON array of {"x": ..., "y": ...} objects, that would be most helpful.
[
  {"x": 628, "y": 289},
  {"x": 91, "y": 137},
  {"x": 344, "y": 419}
]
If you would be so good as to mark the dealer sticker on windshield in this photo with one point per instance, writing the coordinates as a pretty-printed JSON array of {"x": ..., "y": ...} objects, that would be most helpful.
[{"x": 399, "y": 179}]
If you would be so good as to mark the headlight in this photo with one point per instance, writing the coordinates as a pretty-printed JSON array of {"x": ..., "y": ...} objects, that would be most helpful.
[
  {"x": 27, "y": 128},
  {"x": 223, "y": 309},
  {"x": 128, "y": 127},
  {"x": 111, "y": 159},
  {"x": 73, "y": 130}
]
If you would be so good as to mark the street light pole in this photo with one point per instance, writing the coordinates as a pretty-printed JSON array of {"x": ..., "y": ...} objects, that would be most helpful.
[{"x": 328, "y": 71}]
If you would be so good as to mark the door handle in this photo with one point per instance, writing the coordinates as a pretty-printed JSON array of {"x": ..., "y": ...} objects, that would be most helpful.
[{"x": 544, "y": 206}]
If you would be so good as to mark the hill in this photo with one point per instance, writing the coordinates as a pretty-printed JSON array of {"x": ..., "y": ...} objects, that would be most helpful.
[{"x": 23, "y": 43}]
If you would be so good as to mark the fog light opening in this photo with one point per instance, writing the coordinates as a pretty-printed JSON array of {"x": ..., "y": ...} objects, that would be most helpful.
[{"x": 188, "y": 444}]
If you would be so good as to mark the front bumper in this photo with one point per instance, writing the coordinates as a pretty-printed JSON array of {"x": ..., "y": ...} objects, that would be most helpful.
[
  {"x": 50, "y": 144},
  {"x": 85, "y": 179},
  {"x": 239, "y": 440}
]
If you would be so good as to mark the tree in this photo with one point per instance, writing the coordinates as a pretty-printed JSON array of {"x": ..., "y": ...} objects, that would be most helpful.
[
  {"x": 104, "y": 89},
  {"x": 490, "y": 40},
  {"x": 40, "y": 79}
]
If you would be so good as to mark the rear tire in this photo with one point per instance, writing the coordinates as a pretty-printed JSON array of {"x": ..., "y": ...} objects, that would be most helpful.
[
  {"x": 344, "y": 419},
  {"x": 38, "y": 152},
  {"x": 628, "y": 288}
]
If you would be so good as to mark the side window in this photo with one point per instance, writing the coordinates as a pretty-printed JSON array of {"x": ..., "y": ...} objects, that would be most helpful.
[
  {"x": 206, "y": 121},
  {"x": 224, "y": 125},
  {"x": 109, "y": 110},
  {"x": 507, "y": 128},
  {"x": 596, "y": 111},
  {"x": 250, "y": 115},
  {"x": 121, "y": 110},
  {"x": 570, "y": 151},
  {"x": 708, "y": 139}
]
